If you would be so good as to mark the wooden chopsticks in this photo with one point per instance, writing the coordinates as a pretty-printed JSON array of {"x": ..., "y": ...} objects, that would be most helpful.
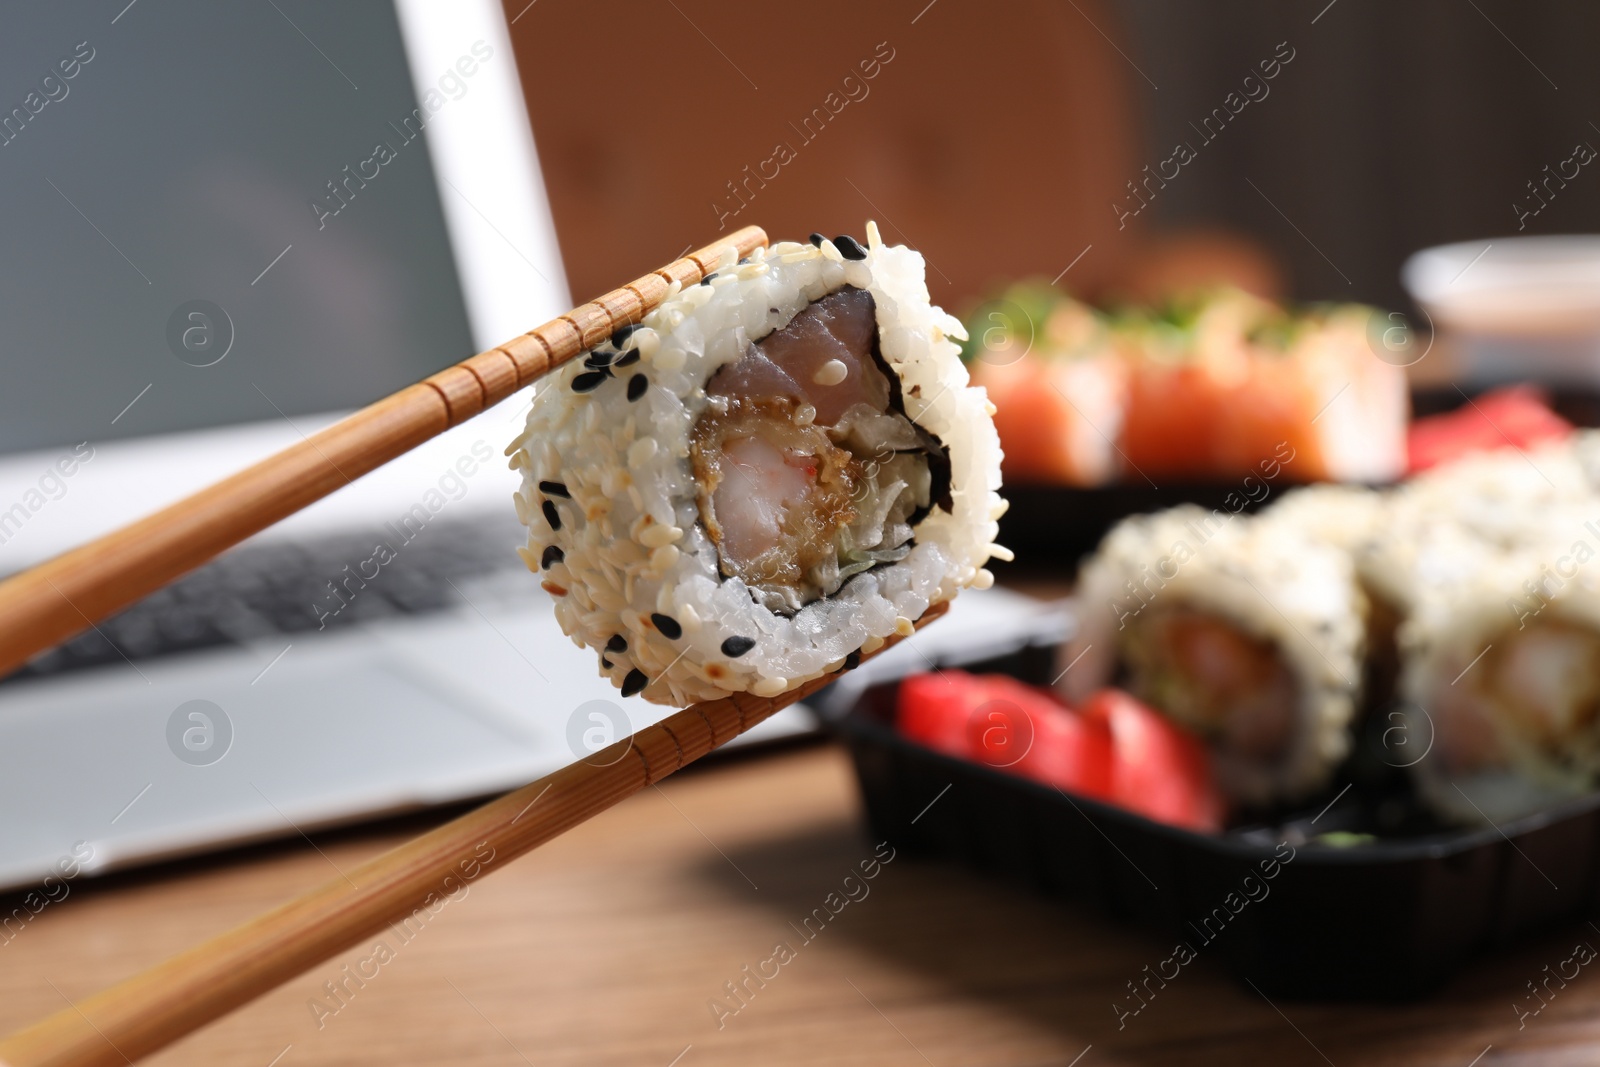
[
  {"x": 153, "y": 1009},
  {"x": 64, "y": 595},
  {"x": 50, "y": 603}
]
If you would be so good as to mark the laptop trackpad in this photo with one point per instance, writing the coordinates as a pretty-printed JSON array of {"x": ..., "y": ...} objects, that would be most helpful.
[{"x": 203, "y": 756}]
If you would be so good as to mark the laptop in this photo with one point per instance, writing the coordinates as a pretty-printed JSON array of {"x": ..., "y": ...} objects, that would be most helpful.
[{"x": 227, "y": 225}]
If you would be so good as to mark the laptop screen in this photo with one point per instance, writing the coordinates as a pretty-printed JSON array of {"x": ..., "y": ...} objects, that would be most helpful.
[{"x": 214, "y": 213}]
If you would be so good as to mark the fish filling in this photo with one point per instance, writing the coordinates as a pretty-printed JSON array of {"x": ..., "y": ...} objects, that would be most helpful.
[
  {"x": 809, "y": 471},
  {"x": 1228, "y": 686},
  {"x": 1540, "y": 684}
]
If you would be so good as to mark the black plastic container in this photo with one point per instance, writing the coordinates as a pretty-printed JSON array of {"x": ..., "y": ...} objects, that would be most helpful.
[
  {"x": 1051, "y": 528},
  {"x": 1385, "y": 920}
]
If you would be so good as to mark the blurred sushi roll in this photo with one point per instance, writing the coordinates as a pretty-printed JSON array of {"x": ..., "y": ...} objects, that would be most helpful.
[
  {"x": 1352, "y": 519},
  {"x": 1503, "y": 498},
  {"x": 1058, "y": 385},
  {"x": 1219, "y": 383},
  {"x": 1345, "y": 516},
  {"x": 1485, "y": 563},
  {"x": 1204, "y": 387},
  {"x": 1248, "y": 632},
  {"x": 1500, "y": 686},
  {"x": 782, "y": 466}
]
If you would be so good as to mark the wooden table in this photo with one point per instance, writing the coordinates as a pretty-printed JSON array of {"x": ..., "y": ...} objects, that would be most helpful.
[{"x": 607, "y": 946}]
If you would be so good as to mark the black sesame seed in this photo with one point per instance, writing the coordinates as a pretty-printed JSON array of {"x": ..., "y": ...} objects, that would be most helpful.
[
  {"x": 817, "y": 239},
  {"x": 599, "y": 359},
  {"x": 605, "y": 664},
  {"x": 620, "y": 338},
  {"x": 634, "y": 682},
  {"x": 618, "y": 643},
  {"x": 853, "y": 660},
  {"x": 637, "y": 385},
  {"x": 667, "y": 625},
  {"x": 849, "y": 247},
  {"x": 554, "y": 489},
  {"x": 707, "y": 279},
  {"x": 734, "y": 647},
  {"x": 552, "y": 556},
  {"x": 551, "y": 516},
  {"x": 627, "y": 359},
  {"x": 589, "y": 381}
]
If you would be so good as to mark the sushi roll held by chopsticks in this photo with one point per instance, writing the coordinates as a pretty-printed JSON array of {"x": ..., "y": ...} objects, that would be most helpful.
[
  {"x": 778, "y": 469},
  {"x": 1247, "y": 631}
]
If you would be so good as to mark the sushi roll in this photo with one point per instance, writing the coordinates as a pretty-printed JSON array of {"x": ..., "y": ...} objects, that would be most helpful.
[
  {"x": 779, "y": 468},
  {"x": 1485, "y": 563},
  {"x": 1501, "y": 687},
  {"x": 1218, "y": 384},
  {"x": 1247, "y": 632},
  {"x": 1221, "y": 383},
  {"x": 1058, "y": 385},
  {"x": 1345, "y": 516},
  {"x": 1351, "y": 519}
]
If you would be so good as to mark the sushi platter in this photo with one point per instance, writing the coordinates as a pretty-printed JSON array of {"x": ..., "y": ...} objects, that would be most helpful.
[{"x": 1390, "y": 692}]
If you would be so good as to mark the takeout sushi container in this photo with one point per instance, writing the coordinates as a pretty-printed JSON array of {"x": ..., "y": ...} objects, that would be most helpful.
[{"x": 1381, "y": 921}]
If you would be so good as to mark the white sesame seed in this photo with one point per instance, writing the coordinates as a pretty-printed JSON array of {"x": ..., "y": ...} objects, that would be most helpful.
[
  {"x": 770, "y": 687},
  {"x": 646, "y": 341},
  {"x": 831, "y": 373},
  {"x": 641, "y": 451},
  {"x": 656, "y": 535}
]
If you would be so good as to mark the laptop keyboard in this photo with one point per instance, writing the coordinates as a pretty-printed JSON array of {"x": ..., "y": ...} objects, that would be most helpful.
[{"x": 259, "y": 591}]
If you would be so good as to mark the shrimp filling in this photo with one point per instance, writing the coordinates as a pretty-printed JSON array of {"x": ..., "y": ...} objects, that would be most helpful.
[
  {"x": 1227, "y": 685},
  {"x": 809, "y": 471},
  {"x": 1541, "y": 683}
]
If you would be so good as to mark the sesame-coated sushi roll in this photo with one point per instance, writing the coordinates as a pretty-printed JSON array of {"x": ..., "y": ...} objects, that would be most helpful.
[
  {"x": 778, "y": 469},
  {"x": 1247, "y": 632},
  {"x": 1501, "y": 685},
  {"x": 1486, "y": 562}
]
